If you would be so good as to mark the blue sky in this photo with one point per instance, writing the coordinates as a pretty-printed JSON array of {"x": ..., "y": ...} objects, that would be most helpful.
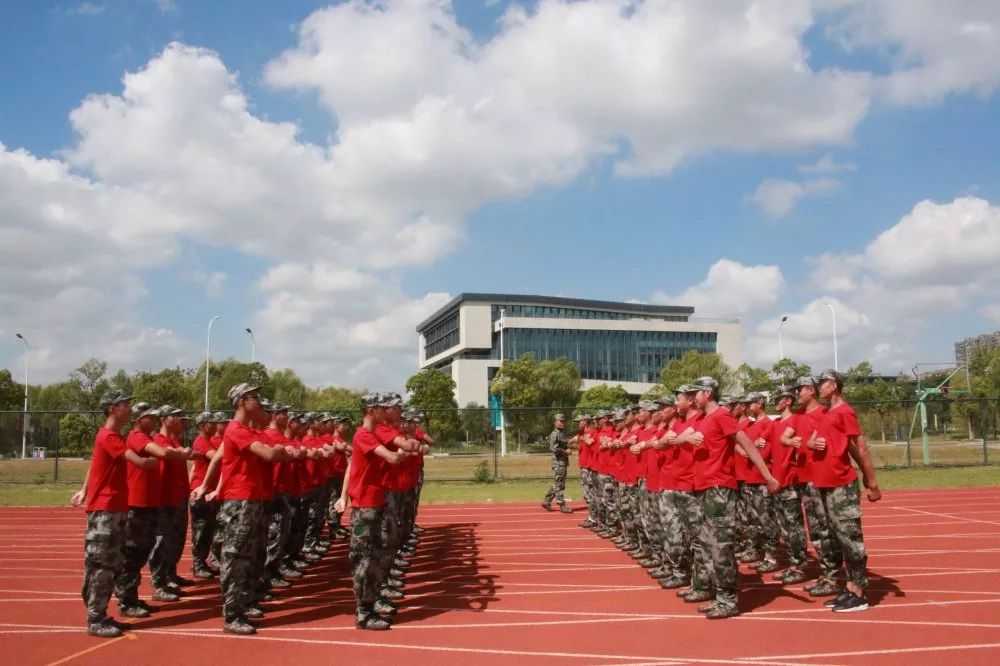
[{"x": 381, "y": 158}]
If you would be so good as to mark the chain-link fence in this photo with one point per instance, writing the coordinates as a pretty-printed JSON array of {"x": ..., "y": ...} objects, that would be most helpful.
[{"x": 470, "y": 445}]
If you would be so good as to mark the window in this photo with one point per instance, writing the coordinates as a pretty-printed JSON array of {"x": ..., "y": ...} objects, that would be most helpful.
[
  {"x": 516, "y": 310},
  {"x": 442, "y": 335}
]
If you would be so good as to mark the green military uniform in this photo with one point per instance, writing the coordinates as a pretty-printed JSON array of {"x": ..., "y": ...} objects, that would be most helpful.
[{"x": 559, "y": 446}]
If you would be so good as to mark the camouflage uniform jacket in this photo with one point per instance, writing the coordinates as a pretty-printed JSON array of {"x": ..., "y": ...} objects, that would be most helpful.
[{"x": 558, "y": 444}]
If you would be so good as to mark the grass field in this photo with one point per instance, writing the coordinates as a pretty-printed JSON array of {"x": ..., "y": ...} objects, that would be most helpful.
[{"x": 58, "y": 494}]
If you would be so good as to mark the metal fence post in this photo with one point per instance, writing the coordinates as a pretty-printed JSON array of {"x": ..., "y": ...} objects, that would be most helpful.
[{"x": 55, "y": 464}]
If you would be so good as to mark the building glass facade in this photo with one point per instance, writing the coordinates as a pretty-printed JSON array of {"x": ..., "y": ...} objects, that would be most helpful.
[
  {"x": 612, "y": 356},
  {"x": 441, "y": 335},
  {"x": 552, "y": 312}
]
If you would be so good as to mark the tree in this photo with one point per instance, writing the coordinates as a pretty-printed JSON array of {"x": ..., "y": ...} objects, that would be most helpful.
[
  {"x": 693, "y": 365},
  {"x": 476, "y": 422},
  {"x": 334, "y": 398},
  {"x": 787, "y": 371},
  {"x": 877, "y": 397},
  {"x": 88, "y": 384},
  {"x": 603, "y": 396},
  {"x": 121, "y": 381},
  {"x": 434, "y": 392},
  {"x": 516, "y": 382},
  {"x": 559, "y": 382},
  {"x": 224, "y": 375},
  {"x": 656, "y": 391},
  {"x": 11, "y": 393},
  {"x": 754, "y": 379},
  {"x": 172, "y": 386},
  {"x": 287, "y": 388},
  {"x": 76, "y": 434}
]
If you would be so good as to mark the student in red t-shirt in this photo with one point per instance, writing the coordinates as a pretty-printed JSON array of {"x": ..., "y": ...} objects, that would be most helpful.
[
  {"x": 646, "y": 474},
  {"x": 413, "y": 468},
  {"x": 761, "y": 524},
  {"x": 338, "y": 470},
  {"x": 611, "y": 521},
  {"x": 424, "y": 438},
  {"x": 787, "y": 501},
  {"x": 364, "y": 494},
  {"x": 838, "y": 439},
  {"x": 317, "y": 458},
  {"x": 279, "y": 509},
  {"x": 105, "y": 495},
  {"x": 174, "y": 489},
  {"x": 660, "y": 422},
  {"x": 715, "y": 436},
  {"x": 241, "y": 493},
  {"x": 145, "y": 498},
  {"x": 582, "y": 442},
  {"x": 203, "y": 523}
]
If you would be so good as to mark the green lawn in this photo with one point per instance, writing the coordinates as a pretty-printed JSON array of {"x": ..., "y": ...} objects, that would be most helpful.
[{"x": 58, "y": 494}]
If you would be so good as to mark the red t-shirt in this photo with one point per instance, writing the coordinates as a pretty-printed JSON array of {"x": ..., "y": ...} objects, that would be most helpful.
[
  {"x": 216, "y": 441},
  {"x": 604, "y": 456},
  {"x": 805, "y": 426},
  {"x": 283, "y": 473},
  {"x": 645, "y": 466},
  {"x": 173, "y": 473},
  {"x": 786, "y": 461},
  {"x": 339, "y": 460},
  {"x": 713, "y": 458},
  {"x": 266, "y": 468},
  {"x": 144, "y": 485},
  {"x": 327, "y": 439},
  {"x": 746, "y": 470},
  {"x": 395, "y": 475},
  {"x": 831, "y": 467},
  {"x": 584, "y": 450},
  {"x": 593, "y": 457},
  {"x": 107, "y": 483},
  {"x": 680, "y": 458},
  {"x": 303, "y": 479},
  {"x": 201, "y": 445},
  {"x": 241, "y": 468},
  {"x": 315, "y": 472},
  {"x": 367, "y": 471}
]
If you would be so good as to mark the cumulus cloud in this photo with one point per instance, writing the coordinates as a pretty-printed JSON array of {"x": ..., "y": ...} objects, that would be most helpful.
[
  {"x": 731, "y": 289},
  {"x": 827, "y": 165},
  {"x": 777, "y": 197}
]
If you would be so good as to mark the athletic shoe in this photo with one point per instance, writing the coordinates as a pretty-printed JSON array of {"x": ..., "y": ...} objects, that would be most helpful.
[
  {"x": 586, "y": 524},
  {"x": 164, "y": 595},
  {"x": 396, "y": 573},
  {"x": 809, "y": 586},
  {"x": 172, "y": 586},
  {"x": 311, "y": 557},
  {"x": 565, "y": 509},
  {"x": 649, "y": 563},
  {"x": 748, "y": 556},
  {"x": 396, "y": 583},
  {"x": 279, "y": 582},
  {"x": 121, "y": 626},
  {"x": 796, "y": 576},
  {"x": 181, "y": 582},
  {"x": 203, "y": 574},
  {"x": 137, "y": 612},
  {"x": 289, "y": 574},
  {"x": 721, "y": 612},
  {"x": 254, "y": 612},
  {"x": 372, "y": 623},
  {"x": 325, "y": 544},
  {"x": 418, "y": 529},
  {"x": 143, "y": 605},
  {"x": 400, "y": 563},
  {"x": 853, "y": 604},
  {"x": 697, "y": 596},
  {"x": 708, "y": 608},
  {"x": 824, "y": 589},
  {"x": 300, "y": 564},
  {"x": 240, "y": 627},
  {"x": 671, "y": 583},
  {"x": 684, "y": 591},
  {"x": 103, "y": 629},
  {"x": 547, "y": 506},
  {"x": 839, "y": 599},
  {"x": 392, "y": 594},
  {"x": 385, "y": 607},
  {"x": 766, "y": 566}
]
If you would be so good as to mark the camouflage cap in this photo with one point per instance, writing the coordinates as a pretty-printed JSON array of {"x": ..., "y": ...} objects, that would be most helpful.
[
  {"x": 740, "y": 399},
  {"x": 706, "y": 384},
  {"x": 266, "y": 404},
  {"x": 411, "y": 415},
  {"x": 221, "y": 417},
  {"x": 559, "y": 417},
  {"x": 342, "y": 418},
  {"x": 370, "y": 400},
  {"x": 326, "y": 417},
  {"x": 240, "y": 390},
  {"x": 665, "y": 401},
  {"x": 633, "y": 407},
  {"x": 726, "y": 400},
  {"x": 805, "y": 380},
  {"x": 619, "y": 414},
  {"x": 835, "y": 375},
  {"x": 203, "y": 418},
  {"x": 391, "y": 400},
  {"x": 170, "y": 410},
  {"x": 142, "y": 409},
  {"x": 647, "y": 405},
  {"x": 783, "y": 392},
  {"x": 582, "y": 417},
  {"x": 756, "y": 397},
  {"x": 113, "y": 398},
  {"x": 686, "y": 388}
]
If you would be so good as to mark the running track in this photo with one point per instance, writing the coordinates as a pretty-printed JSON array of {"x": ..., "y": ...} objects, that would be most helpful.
[{"x": 495, "y": 584}]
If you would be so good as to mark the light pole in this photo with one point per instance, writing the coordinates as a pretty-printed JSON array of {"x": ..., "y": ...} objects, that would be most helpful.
[
  {"x": 503, "y": 422},
  {"x": 253, "y": 346},
  {"x": 781, "y": 344},
  {"x": 208, "y": 355},
  {"x": 24, "y": 421},
  {"x": 833, "y": 313}
]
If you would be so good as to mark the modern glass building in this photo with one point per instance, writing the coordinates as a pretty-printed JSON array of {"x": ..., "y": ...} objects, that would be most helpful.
[{"x": 611, "y": 342}]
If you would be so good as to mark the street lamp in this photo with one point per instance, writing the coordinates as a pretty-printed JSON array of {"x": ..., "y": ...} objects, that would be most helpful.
[
  {"x": 833, "y": 313},
  {"x": 503, "y": 422},
  {"x": 781, "y": 345},
  {"x": 24, "y": 421},
  {"x": 253, "y": 346},
  {"x": 208, "y": 357}
]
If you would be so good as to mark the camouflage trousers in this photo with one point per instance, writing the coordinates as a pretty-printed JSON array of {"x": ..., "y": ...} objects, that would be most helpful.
[
  {"x": 279, "y": 522},
  {"x": 649, "y": 518},
  {"x": 241, "y": 523},
  {"x": 842, "y": 511},
  {"x": 390, "y": 531},
  {"x": 587, "y": 487},
  {"x": 760, "y": 524},
  {"x": 366, "y": 558},
  {"x": 680, "y": 519},
  {"x": 203, "y": 526},
  {"x": 717, "y": 540},
  {"x": 103, "y": 556},
  {"x": 631, "y": 515},
  {"x": 557, "y": 491},
  {"x": 318, "y": 503},
  {"x": 820, "y": 532},
  {"x": 171, "y": 533},
  {"x": 140, "y": 535},
  {"x": 788, "y": 507},
  {"x": 609, "y": 502},
  {"x": 335, "y": 484},
  {"x": 297, "y": 526},
  {"x": 409, "y": 512}
]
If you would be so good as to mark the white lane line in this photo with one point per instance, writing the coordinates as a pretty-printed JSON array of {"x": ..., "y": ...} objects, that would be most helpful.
[
  {"x": 868, "y": 653},
  {"x": 943, "y": 515}
]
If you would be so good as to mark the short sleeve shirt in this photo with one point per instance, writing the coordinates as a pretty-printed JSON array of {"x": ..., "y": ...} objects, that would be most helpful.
[
  {"x": 831, "y": 468},
  {"x": 174, "y": 473},
  {"x": 241, "y": 468},
  {"x": 395, "y": 475},
  {"x": 759, "y": 429},
  {"x": 713, "y": 458},
  {"x": 144, "y": 485},
  {"x": 107, "y": 483},
  {"x": 202, "y": 445},
  {"x": 367, "y": 471}
]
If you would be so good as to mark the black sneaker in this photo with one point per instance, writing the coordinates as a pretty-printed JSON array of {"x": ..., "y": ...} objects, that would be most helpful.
[
  {"x": 279, "y": 582},
  {"x": 372, "y": 623},
  {"x": 137, "y": 612},
  {"x": 240, "y": 627},
  {"x": 103, "y": 629},
  {"x": 392, "y": 594},
  {"x": 181, "y": 582},
  {"x": 546, "y": 506},
  {"x": 203, "y": 574},
  {"x": 289, "y": 574},
  {"x": 385, "y": 607},
  {"x": 165, "y": 595},
  {"x": 254, "y": 612},
  {"x": 839, "y": 599},
  {"x": 853, "y": 604},
  {"x": 565, "y": 509}
]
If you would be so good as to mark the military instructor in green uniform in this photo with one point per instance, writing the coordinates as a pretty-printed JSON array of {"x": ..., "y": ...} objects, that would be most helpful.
[{"x": 560, "y": 462}]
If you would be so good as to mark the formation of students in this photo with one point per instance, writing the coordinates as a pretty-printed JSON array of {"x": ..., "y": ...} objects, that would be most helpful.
[
  {"x": 266, "y": 491},
  {"x": 692, "y": 483}
]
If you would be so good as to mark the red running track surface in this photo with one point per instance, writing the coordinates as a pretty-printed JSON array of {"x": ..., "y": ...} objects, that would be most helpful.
[{"x": 499, "y": 583}]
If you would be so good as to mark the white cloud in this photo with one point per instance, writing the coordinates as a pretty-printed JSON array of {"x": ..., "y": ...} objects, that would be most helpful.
[
  {"x": 87, "y": 9},
  {"x": 935, "y": 48},
  {"x": 827, "y": 165},
  {"x": 731, "y": 289},
  {"x": 777, "y": 198},
  {"x": 214, "y": 283}
]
